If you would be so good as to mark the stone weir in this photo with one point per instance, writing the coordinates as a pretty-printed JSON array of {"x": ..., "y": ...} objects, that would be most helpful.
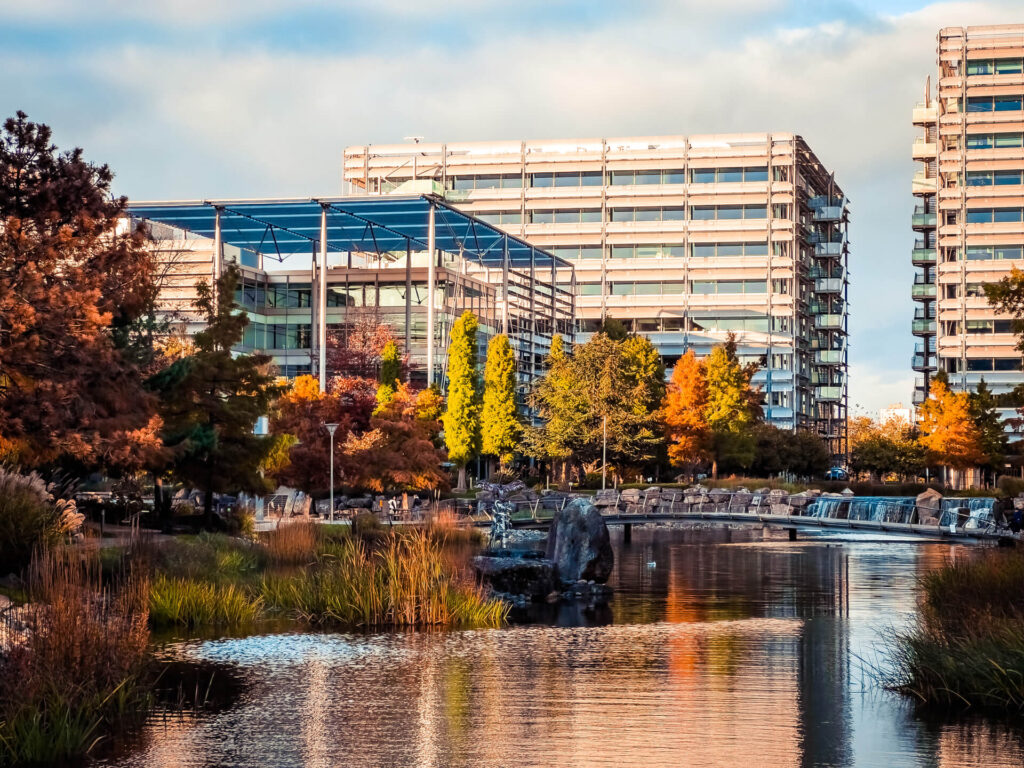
[
  {"x": 928, "y": 508},
  {"x": 576, "y": 563}
]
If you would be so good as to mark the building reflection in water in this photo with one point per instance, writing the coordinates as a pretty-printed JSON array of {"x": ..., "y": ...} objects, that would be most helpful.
[{"x": 720, "y": 648}]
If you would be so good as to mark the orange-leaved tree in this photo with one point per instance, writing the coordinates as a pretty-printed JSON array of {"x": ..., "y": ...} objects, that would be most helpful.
[
  {"x": 683, "y": 414},
  {"x": 948, "y": 430}
]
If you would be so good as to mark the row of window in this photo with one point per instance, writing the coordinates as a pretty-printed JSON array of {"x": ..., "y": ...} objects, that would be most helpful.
[
  {"x": 698, "y": 250},
  {"x": 676, "y": 324},
  {"x": 995, "y": 66},
  {"x": 994, "y": 215},
  {"x": 664, "y": 213},
  {"x": 994, "y": 178},
  {"x": 971, "y": 291},
  {"x": 994, "y": 103},
  {"x": 994, "y": 140},
  {"x": 615, "y": 178},
  {"x": 992, "y": 252},
  {"x": 702, "y": 287},
  {"x": 984, "y": 364}
]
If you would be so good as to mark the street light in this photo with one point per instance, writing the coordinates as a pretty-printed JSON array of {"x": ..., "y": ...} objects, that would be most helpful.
[{"x": 330, "y": 430}]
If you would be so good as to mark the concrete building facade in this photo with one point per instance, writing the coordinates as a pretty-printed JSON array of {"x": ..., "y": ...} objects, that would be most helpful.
[
  {"x": 684, "y": 239},
  {"x": 969, "y": 216}
]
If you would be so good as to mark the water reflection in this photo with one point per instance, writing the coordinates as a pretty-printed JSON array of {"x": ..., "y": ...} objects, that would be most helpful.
[{"x": 720, "y": 648}]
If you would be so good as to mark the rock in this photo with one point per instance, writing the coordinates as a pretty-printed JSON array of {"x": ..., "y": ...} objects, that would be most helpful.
[
  {"x": 781, "y": 509},
  {"x": 578, "y": 543},
  {"x": 741, "y": 499},
  {"x": 800, "y": 500},
  {"x": 535, "y": 578},
  {"x": 929, "y": 507}
]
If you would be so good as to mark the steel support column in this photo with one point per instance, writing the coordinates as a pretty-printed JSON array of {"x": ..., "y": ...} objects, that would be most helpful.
[
  {"x": 322, "y": 302},
  {"x": 533, "y": 313},
  {"x": 408, "y": 297},
  {"x": 218, "y": 247},
  {"x": 431, "y": 275},
  {"x": 504, "y": 285}
]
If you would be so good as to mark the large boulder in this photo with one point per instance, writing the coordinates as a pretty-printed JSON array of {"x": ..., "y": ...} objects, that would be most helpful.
[
  {"x": 929, "y": 507},
  {"x": 535, "y": 578},
  {"x": 578, "y": 543}
]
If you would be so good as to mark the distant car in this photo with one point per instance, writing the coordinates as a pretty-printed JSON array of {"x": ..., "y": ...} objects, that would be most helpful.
[{"x": 837, "y": 473}]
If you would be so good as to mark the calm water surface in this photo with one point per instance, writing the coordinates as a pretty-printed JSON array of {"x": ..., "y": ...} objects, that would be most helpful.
[{"x": 719, "y": 649}]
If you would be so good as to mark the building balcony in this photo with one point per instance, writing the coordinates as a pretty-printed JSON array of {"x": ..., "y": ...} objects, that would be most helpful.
[
  {"x": 923, "y": 149},
  {"x": 922, "y": 257},
  {"x": 918, "y": 396},
  {"x": 920, "y": 363},
  {"x": 827, "y": 213},
  {"x": 922, "y": 291},
  {"x": 828, "y": 285},
  {"x": 925, "y": 114},
  {"x": 815, "y": 237},
  {"x": 923, "y": 328},
  {"x": 921, "y": 220},
  {"x": 828, "y": 357},
  {"x": 829, "y": 322},
  {"x": 829, "y": 394},
  {"x": 923, "y": 184}
]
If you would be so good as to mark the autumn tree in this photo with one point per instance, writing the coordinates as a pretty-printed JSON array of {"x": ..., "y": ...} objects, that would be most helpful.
[
  {"x": 500, "y": 425},
  {"x": 358, "y": 347},
  {"x": 73, "y": 285},
  {"x": 303, "y": 411},
  {"x": 462, "y": 416},
  {"x": 684, "y": 414},
  {"x": 733, "y": 407},
  {"x": 398, "y": 451},
  {"x": 948, "y": 431},
  {"x": 562, "y": 410},
  {"x": 210, "y": 402}
]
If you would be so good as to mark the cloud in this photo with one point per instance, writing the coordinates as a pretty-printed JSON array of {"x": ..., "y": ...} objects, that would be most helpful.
[{"x": 221, "y": 116}]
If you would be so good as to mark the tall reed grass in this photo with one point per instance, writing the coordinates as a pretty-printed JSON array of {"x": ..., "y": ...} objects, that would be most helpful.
[
  {"x": 71, "y": 661},
  {"x": 191, "y": 603},
  {"x": 292, "y": 544},
  {"x": 967, "y": 648}
]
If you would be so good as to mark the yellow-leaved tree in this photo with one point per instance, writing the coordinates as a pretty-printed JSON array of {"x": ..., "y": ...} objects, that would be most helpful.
[
  {"x": 500, "y": 427},
  {"x": 948, "y": 431}
]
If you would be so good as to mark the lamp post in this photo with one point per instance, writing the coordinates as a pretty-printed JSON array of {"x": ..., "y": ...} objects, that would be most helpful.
[
  {"x": 604, "y": 452},
  {"x": 330, "y": 431}
]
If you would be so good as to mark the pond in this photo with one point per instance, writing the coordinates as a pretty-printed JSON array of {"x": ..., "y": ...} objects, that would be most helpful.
[{"x": 720, "y": 648}]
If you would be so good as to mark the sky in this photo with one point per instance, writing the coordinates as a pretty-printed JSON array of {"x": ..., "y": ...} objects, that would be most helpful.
[{"x": 190, "y": 99}]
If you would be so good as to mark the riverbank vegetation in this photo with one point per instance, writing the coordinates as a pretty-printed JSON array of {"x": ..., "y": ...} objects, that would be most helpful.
[
  {"x": 73, "y": 660},
  {"x": 967, "y": 648},
  {"x": 317, "y": 575}
]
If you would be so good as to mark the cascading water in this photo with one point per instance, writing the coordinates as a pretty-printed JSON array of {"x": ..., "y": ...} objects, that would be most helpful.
[
  {"x": 980, "y": 512},
  {"x": 881, "y": 509}
]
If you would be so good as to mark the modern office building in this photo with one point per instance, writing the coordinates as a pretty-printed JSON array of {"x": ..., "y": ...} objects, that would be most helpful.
[
  {"x": 684, "y": 239},
  {"x": 317, "y": 269},
  {"x": 969, "y": 217}
]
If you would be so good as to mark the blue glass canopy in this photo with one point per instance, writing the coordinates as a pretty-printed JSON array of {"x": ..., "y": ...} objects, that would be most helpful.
[{"x": 379, "y": 225}]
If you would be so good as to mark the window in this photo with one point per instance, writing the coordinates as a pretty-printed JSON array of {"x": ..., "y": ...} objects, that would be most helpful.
[
  {"x": 501, "y": 217},
  {"x": 576, "y": 251},
  {"x": 494, "y": 181},
  {"x": 721, "y": 287},
  {"x": 984, "y": 67},
  {"x": 711, "y": 250},
  {"x": 588, "y": 289},
  {"x": 648, "y": 176},
  {"x": 1009, "y": 66},
  {"x": 565, "y": 216},
  {"x": 995, "y": 140},
  {"x": 996, "y": 178},
  {"x": 647, "y": 251},
  {"x": 727, "y": 212},
  {"x": 728, "y": 175},
  {"x": 671, "y": 213},
  {"x": 995, "y": 67},
  {"x": 568, "y": 179},
  {"x": 990, "y": 215}
]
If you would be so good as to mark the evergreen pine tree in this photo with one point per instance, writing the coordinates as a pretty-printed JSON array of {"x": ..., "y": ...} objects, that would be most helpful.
[
  {"x": 462, "y": 415},
  {"x": 210, "y": 402},
  {"x": 501, "y": 428}
]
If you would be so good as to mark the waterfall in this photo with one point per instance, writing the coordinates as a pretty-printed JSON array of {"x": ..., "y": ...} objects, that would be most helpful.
[
  {"x": 881, "y": 509},
  {"x": 980, "y": 512}
]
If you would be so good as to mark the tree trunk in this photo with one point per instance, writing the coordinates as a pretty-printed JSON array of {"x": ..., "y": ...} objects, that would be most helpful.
[
  {"x": 461, "y": 485},
  {"x": 161, "y": 504},
  {"x": 714, "y": 469}
]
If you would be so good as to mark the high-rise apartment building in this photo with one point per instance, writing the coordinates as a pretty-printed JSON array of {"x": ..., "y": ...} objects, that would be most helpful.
[
  {"x": 970, "y": 210},
  {"x": 684, "y": 239}
]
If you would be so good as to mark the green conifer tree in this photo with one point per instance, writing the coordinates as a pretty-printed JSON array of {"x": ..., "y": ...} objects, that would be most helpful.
[
  {"x": 462, "y": 415},
  {"x": 501, "y": 428}
]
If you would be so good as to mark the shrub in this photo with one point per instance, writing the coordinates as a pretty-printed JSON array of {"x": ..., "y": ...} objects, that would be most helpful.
[
  {"x": 1011, "y": 486},
  {"x": 28, "y": 518},
  {"x": 192, "y": 603},
  {"x": 291, "y": 544},
  {"x": 968, "y": 645},
  {"x": 75, "y": 660}
]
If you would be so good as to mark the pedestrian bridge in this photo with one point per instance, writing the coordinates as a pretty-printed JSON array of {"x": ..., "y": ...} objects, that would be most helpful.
[{"x": 970, "y": 519}]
